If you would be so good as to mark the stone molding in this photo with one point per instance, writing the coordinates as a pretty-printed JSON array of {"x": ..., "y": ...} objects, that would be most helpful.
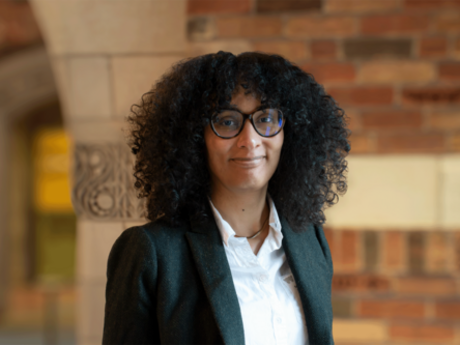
[{"x": 104, "y": 183}]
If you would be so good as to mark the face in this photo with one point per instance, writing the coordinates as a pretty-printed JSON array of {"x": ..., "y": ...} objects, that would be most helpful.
[{"x": 247, "y": 161}]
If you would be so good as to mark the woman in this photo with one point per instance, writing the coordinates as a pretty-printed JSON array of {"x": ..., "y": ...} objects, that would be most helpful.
[{"x": 236, "y": 157}]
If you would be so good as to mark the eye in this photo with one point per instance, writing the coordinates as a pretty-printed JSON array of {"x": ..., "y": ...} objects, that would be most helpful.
[
  {"x": 265, "y": 119},
  {"x": 227, "y": 121},
  {"x": 266, "y": 116}
]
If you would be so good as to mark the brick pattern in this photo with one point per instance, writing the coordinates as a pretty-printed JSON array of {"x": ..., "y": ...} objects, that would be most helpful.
[
  {"x": 18, "y": 27},
  {"x": 392, "y": 65},
  {"x": 394, "y": 252},
  {"x": 406, "y": 281},
  {"x": 220, "y": 6},
  {"x": 270, "y": 6}
]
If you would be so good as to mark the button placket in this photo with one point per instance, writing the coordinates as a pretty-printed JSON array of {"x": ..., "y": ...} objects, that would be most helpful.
[{"x": 280, "y": 329}]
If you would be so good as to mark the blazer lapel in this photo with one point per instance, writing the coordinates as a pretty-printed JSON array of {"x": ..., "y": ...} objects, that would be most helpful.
[
  {"x": 212, "y": 264},
  {"x": 313, "y": 280}
]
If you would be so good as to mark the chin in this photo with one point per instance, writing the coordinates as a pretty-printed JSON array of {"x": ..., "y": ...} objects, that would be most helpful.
[{"x": 250, "y": 185}]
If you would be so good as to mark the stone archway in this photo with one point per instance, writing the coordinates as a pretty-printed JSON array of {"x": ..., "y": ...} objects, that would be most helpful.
[{"x": 105, "y": 55}]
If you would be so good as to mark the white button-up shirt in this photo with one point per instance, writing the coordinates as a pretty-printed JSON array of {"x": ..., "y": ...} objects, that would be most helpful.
[{"x": 269, "y": 301}]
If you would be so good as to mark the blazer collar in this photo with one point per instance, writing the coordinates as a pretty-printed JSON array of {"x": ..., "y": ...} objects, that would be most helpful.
[
  {"x": 308, "y": 266},
  {"x": 211, "y": 261}
]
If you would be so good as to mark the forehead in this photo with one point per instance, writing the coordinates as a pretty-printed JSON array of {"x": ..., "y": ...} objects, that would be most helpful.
[
  {"x": 245, "y": 102},
  {"x": 242, "y": 94}
]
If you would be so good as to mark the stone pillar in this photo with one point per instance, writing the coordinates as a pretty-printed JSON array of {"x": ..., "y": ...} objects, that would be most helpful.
[{"x": 105, "y": 54}]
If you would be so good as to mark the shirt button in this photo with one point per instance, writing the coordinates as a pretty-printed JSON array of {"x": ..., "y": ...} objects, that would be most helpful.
[
  {"x": 279, "y": 320},
  {"x": 263, "y": 278}
]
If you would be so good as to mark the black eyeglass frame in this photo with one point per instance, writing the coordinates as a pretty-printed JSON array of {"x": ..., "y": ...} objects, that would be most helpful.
[{"x": 245, "y": 117}]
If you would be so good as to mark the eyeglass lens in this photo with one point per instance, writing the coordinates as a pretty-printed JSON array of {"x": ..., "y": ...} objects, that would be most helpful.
[{"x": 267, "y": 122}]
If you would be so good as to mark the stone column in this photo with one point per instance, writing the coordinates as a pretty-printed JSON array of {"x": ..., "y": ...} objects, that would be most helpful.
[{"x": 105, "y": 54}]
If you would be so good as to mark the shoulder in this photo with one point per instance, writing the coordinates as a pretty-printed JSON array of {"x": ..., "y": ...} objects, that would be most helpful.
[
  {"x": 158, "y": 230},
  {"x": 152, "y": 237},
  {"x": 161, "y": 231}
]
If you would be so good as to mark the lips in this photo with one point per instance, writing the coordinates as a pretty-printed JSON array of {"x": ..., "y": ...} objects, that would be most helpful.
[
  {"x": 248, "y": 162},
  {"x": 247, "y": 159}
]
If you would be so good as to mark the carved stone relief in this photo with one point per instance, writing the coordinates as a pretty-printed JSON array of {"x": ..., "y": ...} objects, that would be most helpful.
[{"x": 104, "y": 183}]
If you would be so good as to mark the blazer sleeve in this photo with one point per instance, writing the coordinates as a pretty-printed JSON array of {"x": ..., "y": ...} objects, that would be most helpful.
[{"x": 130, "y": 308}]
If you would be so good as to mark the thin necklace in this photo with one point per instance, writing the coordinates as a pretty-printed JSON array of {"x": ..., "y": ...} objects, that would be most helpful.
[{"x": 258, "y": 232}]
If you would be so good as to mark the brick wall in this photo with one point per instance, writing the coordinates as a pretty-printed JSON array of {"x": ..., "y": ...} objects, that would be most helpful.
[
  {"x": 394, "y": 66},
  {"x": 407, "y": 283},
  {"x": 18, "y": 27}
]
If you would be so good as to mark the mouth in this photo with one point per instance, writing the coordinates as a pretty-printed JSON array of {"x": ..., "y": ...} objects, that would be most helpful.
[
  {"x": 248, "y": 162},
  {"x": 247, "y": 159}
]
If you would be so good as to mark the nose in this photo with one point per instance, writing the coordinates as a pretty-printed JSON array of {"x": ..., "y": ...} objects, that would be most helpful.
[{"x": 248, "y": 137}]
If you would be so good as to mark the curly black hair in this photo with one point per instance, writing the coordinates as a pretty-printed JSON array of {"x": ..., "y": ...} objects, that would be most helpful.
[{"x": 167, "y": 136}]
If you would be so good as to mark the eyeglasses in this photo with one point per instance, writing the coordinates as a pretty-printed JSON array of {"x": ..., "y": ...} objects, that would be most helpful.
[{"x": 228, "y": 123}]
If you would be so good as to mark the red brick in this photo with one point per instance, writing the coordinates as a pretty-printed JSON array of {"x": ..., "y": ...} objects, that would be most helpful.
[
  {"x": 385, "y": 24},
  {"x": 362, "y": 95},
  {"x": 323, "y": 49},
  {"x": 360, "y": 144},
  {"x": 391, "y": 309},
  {"x": 422, "y": 333},
  {"x": 392, "y": 119},
  {"x": 449, "y": 71},
  {"x": 448, "y": 310},
  {"x": 265, "y": 6},
  {"x": 448, "y": 22},
  {"x": 431, "y": 95},
  {"x": 331, "y": 72},
  {"x": 405, "y": 71},
  {"x": 360, "y": 283},
  {"x": 248, "y": 26},
  {"x": 293, "y": 51},
  {"x": 445, "y": 120},
  {"x": 361, "y": 6},
  {"x": 349, "y": 249},
  {"x": 437, "y": 252},
  {"x": 372, "y": 48},
  {"x": 411, "y": 143},
  {"x": 416, "y": 250},
  {"x": 218, "y": 6},
  {"x": 455, "y": 146},
  {"x": 457, "y": 48},
  {"x": 18, "y": 24},
  {"x": 320, "y": 27},
  {"x": 393, "y": 251},
  {"x": 430, "y": 4},
  {"x": 433, "y": 47},
  {"x": 457, "y": 240},
  {"x": 426, "y": 286}
]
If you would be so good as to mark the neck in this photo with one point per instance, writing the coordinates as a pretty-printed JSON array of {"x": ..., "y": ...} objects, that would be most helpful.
[{"x": 244, "y": 211}]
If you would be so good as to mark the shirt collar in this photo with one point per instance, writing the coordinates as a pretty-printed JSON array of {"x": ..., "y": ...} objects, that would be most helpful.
[{"x": 228, "y": 234}]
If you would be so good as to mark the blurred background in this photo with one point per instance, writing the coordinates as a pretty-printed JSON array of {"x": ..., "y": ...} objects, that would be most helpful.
[{"x": 69, "y": 71}]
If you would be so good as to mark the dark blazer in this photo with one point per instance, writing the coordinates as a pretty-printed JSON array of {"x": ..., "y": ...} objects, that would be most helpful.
[{"x": 173, "y": 285}]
